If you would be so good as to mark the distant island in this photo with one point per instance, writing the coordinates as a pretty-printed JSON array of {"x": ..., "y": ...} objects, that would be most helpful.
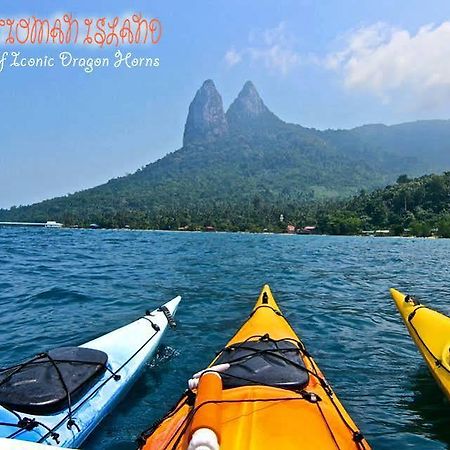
[{"x": 247, "y": 170}]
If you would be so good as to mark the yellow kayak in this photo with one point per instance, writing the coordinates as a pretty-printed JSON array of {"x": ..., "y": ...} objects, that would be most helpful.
[
  {"x": 262, "y": 391},
  {"x": 430, "y": 331}
]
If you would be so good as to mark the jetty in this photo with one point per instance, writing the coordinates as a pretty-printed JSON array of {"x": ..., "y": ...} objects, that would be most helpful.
[{"x": 48, "y": 224}]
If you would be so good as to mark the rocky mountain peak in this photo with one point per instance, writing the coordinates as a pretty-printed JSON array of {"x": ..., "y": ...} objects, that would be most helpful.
[
  {"x": 247, "y": 106},
  {"x": 206, "y": 119},
  {"x": 249, "y": 100}
]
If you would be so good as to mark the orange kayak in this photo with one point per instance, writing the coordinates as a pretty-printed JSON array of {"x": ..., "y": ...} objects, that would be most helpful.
[{"x": 262, "y": 391}]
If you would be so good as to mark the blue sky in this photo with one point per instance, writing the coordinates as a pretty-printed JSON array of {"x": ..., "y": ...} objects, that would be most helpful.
[{"x": 327, "y": 64}]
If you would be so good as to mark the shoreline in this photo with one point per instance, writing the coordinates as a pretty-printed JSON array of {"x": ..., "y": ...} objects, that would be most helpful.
[{"x": 156, "y": 230}]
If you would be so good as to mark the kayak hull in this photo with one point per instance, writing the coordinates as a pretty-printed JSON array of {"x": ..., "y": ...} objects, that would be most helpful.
[
  {"x": 262, "y": 416},
  {"x": 430, "y": 331},
  {"x": 129, "y": 349},
  {"x": 15, "y": 444}
]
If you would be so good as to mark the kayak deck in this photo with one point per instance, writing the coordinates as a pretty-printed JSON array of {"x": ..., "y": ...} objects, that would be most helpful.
[
  {"x": 129, "y": 348},
  {"x": 276, "y": 413}
]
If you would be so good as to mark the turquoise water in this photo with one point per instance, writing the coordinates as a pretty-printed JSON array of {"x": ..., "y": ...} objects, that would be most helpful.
[{"x": 60, "y": 287}]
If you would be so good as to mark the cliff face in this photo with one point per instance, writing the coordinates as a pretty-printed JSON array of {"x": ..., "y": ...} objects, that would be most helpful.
[
  {"x": 248, "y": 109},
  {"x": 206, "y": 118},
  {"x": 207, "y": 122}
]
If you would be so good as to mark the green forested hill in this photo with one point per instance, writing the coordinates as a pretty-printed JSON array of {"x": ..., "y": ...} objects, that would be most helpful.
[
  {"x": 237, "y": 183},
  {"x": 427, "y": 140},
  {"x": 418, "y": 207},
  {"x": 240, "y": 170}
]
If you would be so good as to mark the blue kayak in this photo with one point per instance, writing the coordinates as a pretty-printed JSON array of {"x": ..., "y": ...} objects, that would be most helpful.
[{"x": 58, "y": 397}]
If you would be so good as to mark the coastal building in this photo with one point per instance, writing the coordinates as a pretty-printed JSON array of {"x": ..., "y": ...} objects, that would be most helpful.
[
  {"x": 307, "y": 230},
  {"x": 382, "y": 232},
  {"x": 290, "y": 229}
]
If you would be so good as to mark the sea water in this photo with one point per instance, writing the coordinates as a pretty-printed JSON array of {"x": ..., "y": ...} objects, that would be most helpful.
[{"x": 64, "y": 287}]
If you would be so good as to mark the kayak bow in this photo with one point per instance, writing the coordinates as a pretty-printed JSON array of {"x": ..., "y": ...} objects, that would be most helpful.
[
  {"x": 430, "y": 331},
  {"x": 58, "y": 397},
  {"x": 262, "y": 391}
]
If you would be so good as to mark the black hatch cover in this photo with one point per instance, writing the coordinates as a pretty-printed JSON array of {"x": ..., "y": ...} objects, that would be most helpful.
[
  {"x": 264, "y": 362},
  {"x": 37, "y": 385}
]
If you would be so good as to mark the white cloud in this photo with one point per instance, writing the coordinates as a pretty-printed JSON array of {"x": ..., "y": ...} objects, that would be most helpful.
[
  {"x": 391, "y": 62},
  {"x": 272, "y": 48},
  {"x": 232, "y": 57}
]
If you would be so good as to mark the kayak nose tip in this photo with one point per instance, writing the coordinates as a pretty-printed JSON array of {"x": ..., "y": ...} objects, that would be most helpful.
[
  {"x": 172, "y": 305},
  {"x": 265, "y": 294},
  {"x": 399, "y": 298},
  {"x": 393, "y": 292}
]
